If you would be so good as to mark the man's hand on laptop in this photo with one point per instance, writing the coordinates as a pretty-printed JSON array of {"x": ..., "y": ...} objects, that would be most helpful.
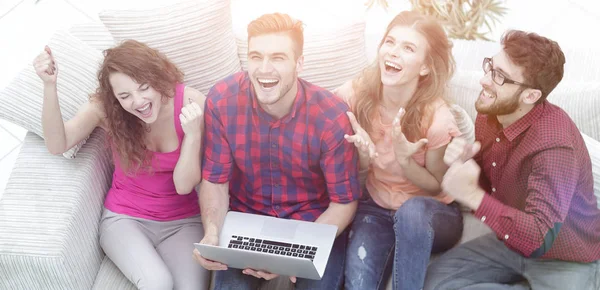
[
  {"x": 208, "y": 264},
  {"x": 264, "y": 275}
]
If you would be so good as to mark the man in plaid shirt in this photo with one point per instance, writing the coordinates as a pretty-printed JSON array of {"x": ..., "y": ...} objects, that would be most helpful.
[
  {"x": 535, "y": 190},
  {"x": 274, "y": 145}
]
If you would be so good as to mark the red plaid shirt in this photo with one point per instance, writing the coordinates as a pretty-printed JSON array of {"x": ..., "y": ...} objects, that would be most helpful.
[
  {"x": 292, "y": 167},
  {"x": 538, "y": 175}
]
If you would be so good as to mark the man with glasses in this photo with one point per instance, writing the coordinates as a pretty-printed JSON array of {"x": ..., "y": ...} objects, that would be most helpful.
[{"x": 528, "y": 177}]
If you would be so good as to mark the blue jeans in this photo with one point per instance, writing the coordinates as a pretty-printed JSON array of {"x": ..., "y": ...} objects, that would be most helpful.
[
  {"x": 383, "y": 241},
  {"x": 332, "y": 278},
  {"x": 486, "y": 263}
]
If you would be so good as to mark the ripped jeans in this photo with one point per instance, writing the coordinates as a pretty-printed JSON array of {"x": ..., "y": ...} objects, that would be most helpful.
[{"x": 383, "y": 242}]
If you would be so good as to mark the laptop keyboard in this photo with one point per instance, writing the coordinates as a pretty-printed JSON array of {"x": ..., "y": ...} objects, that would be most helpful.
[{"x": 272, "y": 247}]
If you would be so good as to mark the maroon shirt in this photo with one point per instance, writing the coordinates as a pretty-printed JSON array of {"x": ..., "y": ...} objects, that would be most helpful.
[{"x": 538, "y": 176}]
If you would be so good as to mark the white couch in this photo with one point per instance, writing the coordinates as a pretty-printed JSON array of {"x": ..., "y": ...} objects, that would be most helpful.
[{"x": 51, "y": 207}]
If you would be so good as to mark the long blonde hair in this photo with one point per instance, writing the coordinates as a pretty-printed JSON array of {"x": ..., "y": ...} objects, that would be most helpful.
[{"x": 431, "y": 87}]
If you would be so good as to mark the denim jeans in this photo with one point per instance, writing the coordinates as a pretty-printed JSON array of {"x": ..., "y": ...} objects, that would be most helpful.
[
  {"x": 332, "y": 278},
  {"x": 486, "y": 263},
  {"x": 382, "y": 242}
]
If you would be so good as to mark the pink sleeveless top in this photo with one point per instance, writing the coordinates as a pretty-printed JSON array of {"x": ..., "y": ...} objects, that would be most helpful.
[{"x": 152, "y": 195}]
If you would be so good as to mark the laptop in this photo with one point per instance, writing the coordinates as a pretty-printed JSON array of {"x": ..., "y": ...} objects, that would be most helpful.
[{"x": 279, "y": 246}]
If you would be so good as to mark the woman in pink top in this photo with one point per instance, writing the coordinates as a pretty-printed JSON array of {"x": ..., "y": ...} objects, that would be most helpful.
[
  {"x": 402, "y": 124},
  {"x": 154, "y": 126}
]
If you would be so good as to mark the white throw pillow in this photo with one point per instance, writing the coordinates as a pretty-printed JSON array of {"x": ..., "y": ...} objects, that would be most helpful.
[
  {"x": 334, "y": 52},
  {"x": 21, "y": 100},
  {"x": 464, "y": 122},
  {"x": 93, "y": 34},
  {"x": 195, "y": 35}
]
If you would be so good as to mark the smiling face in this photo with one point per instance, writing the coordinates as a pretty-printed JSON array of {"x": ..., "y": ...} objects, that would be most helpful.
[
  {"x": 140, "y": 100},
  {"x": 402, "y": 56},
  {"x": 272, "y": 66},
  {"x": 503, "y": 99}
]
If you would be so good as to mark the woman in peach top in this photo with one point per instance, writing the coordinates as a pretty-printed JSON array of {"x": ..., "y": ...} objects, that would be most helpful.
[{"x": 402, "y": 124}]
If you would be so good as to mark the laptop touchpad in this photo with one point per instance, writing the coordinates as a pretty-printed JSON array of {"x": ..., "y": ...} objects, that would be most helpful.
[{"x": 278, "y": 228}]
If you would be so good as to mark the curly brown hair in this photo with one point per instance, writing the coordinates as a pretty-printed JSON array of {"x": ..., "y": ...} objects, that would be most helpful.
[{"x": 144, "y": 65}]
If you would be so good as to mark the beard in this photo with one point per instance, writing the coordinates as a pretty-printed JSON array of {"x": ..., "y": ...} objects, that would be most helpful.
[{"x": 498, "y": 108}]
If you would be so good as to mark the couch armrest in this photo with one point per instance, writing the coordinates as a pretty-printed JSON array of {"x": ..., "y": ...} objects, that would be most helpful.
[{"x": 49, "y": 216}]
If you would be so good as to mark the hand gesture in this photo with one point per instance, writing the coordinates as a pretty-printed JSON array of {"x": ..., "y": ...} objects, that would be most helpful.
[
  {"x": 362, "y": 141},
  {"x": 191, "y": 118},
  {"x": 45, "y": 66},
  {"x": 208, "y": 264},
  {"x": 460, "y": 150},
  {"x": 461, "y": 181},
  {"x": 403, "y": 148}
]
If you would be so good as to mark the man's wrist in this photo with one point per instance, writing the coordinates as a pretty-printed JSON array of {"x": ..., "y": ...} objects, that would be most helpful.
[{"x": 474, "y": 199}]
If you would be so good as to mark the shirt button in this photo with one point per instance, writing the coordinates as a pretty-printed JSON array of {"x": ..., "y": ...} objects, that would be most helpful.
[
  {"x": 274, "y": 145},
  {"x": 482, "y": 218},
  {"x": 493, "y": 189},
  {"x": 276, "y": 185},
  {"x": 497, "y": 139},
  {"x": 506, "y": 237},
  {"x": 494, "y": 164},
  {"x": 276, "y": 207}
]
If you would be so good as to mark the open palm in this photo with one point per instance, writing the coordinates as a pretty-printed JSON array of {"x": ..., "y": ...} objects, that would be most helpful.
[
  {"x": 362, "y": 141},
  {"x": 403, "y": 148}
]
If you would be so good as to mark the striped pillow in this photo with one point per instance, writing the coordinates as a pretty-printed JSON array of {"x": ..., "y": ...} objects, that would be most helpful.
[
  {"x": 331, "y": 57},
  {"x": 196, "y": 35},
  {"x": 93, "y": 34},
  {"x": 21, "y": 100}
]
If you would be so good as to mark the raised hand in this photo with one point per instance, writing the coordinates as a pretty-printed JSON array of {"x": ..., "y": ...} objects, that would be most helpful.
[
  {"x": 45, "y": 66},
  {"x": 362, "y": 141},
  {"x": 460, "y": 150},
  {"x": 191, "y": 118},
  {"x": 403, "y": 148}
]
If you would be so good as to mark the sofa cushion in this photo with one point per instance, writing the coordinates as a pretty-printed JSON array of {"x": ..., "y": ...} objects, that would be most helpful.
[
  {"x": 332, "y": 54},
  {"x": 21, "y": 100},
  {"x": 49, "y": 215},
  {"x": 196, "y": 35},
  {"x": 110, "y": 277},
  {"x": 93, "y": 34}
]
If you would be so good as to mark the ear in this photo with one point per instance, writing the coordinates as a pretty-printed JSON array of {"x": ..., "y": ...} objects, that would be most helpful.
[
  {"x": 424, "y": 70},
  {"x": 531, "y": 96},
  {"x": 300, "y": 64}
]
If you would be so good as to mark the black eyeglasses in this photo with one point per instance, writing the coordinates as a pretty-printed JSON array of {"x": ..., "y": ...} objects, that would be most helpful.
[{"x": 497, "y": 76}]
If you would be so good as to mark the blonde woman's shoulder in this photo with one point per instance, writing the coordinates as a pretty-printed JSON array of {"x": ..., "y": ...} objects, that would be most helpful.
[{"x": 345, "y": 91}]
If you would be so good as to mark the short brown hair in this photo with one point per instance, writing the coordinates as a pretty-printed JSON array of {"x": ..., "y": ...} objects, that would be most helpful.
[
  {"x": 542, "y": 59},
  {"x": 278, "y": 23}
]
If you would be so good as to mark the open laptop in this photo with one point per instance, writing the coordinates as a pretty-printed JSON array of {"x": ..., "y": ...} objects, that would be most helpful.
[{"x": 279, "y": 246}]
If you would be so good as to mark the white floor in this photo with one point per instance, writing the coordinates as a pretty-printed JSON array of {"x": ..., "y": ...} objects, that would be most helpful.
[{"x": 26, "y": 25}]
